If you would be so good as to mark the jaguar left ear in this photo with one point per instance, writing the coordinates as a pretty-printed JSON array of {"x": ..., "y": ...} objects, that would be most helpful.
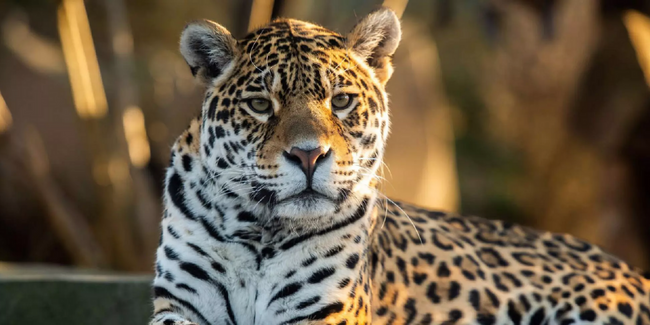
[
  {"x": 374, "y": 39},
  {"x": 207, "y": 48}
]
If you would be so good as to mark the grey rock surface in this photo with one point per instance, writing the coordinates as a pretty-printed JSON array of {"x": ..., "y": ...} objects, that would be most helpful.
[{"x": 53, "y": 298}]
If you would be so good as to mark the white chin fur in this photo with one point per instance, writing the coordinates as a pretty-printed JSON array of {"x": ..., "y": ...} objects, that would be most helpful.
[{"x": 310, "y": 208}]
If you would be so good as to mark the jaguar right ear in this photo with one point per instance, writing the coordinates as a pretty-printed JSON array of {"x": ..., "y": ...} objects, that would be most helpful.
[
  {"x": 207, "y": 48},
  {"x": 374, "y": 39}
]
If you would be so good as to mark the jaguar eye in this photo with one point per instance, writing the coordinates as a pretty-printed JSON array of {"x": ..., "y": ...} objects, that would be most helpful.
[
  {"x": 341, "y": 101},
  {"x": 259, "y": 105}
]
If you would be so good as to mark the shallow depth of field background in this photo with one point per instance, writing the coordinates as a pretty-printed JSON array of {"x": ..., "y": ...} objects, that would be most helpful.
[{"x": 532, "y": 111}]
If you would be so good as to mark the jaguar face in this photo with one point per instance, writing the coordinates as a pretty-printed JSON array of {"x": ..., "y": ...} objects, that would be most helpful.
[{"x": 295, "y": 116}]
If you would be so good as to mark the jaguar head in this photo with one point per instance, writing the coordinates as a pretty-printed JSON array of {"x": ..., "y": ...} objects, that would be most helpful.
[{"x": 295, "y": 116}]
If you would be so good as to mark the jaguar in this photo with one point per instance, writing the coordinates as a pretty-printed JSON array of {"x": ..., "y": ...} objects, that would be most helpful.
[{"x": 273, "y": 213}]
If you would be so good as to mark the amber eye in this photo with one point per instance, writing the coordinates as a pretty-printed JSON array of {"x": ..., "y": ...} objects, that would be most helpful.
[
  {"x": 260, "y": 105},
  {"x": 341, "y": 101}
]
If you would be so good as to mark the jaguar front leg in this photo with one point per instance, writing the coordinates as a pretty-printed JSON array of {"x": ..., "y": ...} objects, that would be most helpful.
[
  {"x": 167, "y": 311},
  {"x": 170, "y": 318}
]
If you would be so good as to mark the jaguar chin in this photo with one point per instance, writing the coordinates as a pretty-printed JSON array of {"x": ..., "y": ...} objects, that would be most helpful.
[{"x": 306, "y": 205}]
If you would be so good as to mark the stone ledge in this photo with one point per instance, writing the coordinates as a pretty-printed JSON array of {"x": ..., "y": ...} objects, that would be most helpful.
[{"x": 36, "y": 297}]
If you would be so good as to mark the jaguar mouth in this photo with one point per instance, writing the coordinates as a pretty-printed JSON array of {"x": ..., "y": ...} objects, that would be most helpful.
[{"x": 308, "y": 195}]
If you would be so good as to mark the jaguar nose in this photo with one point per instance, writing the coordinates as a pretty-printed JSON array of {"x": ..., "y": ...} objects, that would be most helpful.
[{"x": 308, "y": 160}]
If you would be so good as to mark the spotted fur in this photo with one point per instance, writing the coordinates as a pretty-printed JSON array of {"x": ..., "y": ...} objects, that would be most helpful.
[{"x": 249, "y": 238}]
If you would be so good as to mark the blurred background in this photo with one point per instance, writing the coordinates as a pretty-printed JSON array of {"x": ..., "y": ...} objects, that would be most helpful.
[{"x": 532, "y": 111}]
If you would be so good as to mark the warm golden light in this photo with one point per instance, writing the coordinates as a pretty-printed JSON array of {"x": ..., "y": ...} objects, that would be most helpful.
[
  {"x": 118, "y": 171},
  {"x": 81, "y": 60},
  {"x": 136, "y": 136},
  {"x": 398, "y": 6},
  {"x": 261, "y": 11},
  {"x": 5, "y": 116},
  {"x": 431, "y": 180},
  {"x": 443, "y": 191},
  {"x": 638, "y": 27},
  {"x": 37, "y": 52}
]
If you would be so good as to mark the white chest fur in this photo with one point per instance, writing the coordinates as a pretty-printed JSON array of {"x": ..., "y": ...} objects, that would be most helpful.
[{"x": 247, "y": 283}]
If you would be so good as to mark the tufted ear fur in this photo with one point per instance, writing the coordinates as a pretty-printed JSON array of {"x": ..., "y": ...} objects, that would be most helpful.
[
  {"x": 375, "y": 39},
  {"x": 207, "y": 48}
]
